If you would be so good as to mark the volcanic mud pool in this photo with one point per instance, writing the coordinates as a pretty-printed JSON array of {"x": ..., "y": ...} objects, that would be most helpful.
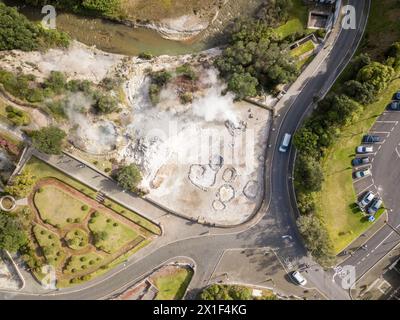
[{"x": 203, "y": 160}]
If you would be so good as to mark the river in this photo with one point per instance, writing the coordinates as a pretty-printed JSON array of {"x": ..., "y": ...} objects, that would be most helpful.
[{"x": 112, "y": 37}]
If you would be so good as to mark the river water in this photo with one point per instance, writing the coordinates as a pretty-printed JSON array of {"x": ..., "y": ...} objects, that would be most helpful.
[{"x": 112, "y": 37}]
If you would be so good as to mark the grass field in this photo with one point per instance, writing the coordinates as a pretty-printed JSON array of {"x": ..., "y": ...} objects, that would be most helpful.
[
  {"x": 58, "y": 207},
  {"x": 383, "y": 27},
  {"x": 41, "y": 170},
  {"x": 77, "y": 239},
  {"x": 303, "y": 49},
  {"x": 118, "y": 234},
  {"x": 335, "y": 201},
  {"x": 173, "y": 286},
  {"x": 83, "y": 262},
  {"x": 297, "y": 21},
  {"x": 50, "y": 244}
]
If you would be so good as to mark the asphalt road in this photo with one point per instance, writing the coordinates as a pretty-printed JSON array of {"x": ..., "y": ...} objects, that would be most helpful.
[{"x": 278, "y": 212}]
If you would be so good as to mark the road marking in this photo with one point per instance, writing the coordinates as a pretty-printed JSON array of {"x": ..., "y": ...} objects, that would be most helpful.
[
  {"x": 381, "y": 132},
  {"x": 361, "y": 192},
  {"x": 398, "y": 153},
  {"x": 387, "y": 121},
  {"x": 390, "y": 234}
]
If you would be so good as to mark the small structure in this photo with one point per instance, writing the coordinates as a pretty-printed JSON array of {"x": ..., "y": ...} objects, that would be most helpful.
[
  {"x": 321, "y": 16},
  {"x": 7, "y": 203}
]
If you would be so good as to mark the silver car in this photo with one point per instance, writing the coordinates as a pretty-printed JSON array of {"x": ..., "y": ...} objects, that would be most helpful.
[
  {"x": 366, "y": 200},
  {"x": 365, "y": 149},
  {"x": 362, "y": 173}
]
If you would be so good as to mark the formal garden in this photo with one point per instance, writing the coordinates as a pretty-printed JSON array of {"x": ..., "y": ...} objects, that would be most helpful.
[{"x": 70, "y": 230}]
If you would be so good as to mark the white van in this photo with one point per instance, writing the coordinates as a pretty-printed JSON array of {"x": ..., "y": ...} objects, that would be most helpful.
[
  {"x": 298, "y": 278},
  {"x": 285, "y": 142}
]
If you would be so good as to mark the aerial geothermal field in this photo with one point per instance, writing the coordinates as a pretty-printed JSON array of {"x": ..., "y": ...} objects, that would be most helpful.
[{"x": 203, "y": 159}]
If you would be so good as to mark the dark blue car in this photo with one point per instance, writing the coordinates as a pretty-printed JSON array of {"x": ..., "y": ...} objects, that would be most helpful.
[
  {"x": 360, "y": 161},
  {"x": 371, "y": 139},
  {"x": 397, "y": 96},
  {"x": 395, "y": 105}
]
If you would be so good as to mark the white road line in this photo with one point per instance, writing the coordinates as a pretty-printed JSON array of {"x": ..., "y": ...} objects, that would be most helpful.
[
  {"x": 387, "y": 121},
  {"x": 389, "y": 235},
  {"x": 398, "y": 153},
  {"x": 381, "y": 132},
  {"x": 361, "y": 192},
  {"x": 362, "y": 178}
]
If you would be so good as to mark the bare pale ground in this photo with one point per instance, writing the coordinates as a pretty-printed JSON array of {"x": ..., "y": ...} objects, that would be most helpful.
[
  {"x": 203, "y": 160},
  {"x": 77, "y": 62},
  {"x": 8, "y": 280}
]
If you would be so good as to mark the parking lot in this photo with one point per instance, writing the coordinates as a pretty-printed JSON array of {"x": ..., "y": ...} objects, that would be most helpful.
[{"x": 384, "y": 163}]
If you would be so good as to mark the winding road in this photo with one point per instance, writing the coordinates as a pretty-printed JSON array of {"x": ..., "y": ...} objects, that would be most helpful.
[{"x": 275, "y": 219}]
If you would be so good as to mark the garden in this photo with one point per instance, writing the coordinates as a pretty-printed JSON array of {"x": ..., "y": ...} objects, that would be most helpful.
[{"x": 71, "y": 231}]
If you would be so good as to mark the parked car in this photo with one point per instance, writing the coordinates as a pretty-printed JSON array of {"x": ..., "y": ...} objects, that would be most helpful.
[
  {"x": 371, "y": 139},
  {"x": 375, "y": 206},
  {"x": 397, "y": 96},
  {"x": 298, "y": 278},
  {"x": 360, "y": 161},
  {"x": 362, "y": 173},
  {"x": 365, "y": 149},
  {"x": 395, "y": 105},
  {"x": 366, "y": 200}
]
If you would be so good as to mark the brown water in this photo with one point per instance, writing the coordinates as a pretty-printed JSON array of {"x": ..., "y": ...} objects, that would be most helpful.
[{"x": 113, "y": 37}]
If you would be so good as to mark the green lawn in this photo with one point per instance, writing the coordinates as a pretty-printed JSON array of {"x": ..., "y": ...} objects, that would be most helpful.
[
  {"x": 297, "y": 21},
  {"x": 83, "y": 262},
  {"x": 59, "y": 208},
  {"x": 302, "y": 49},
  {"x": 118, "y": 234},
  {"x": 42, "y": 170},
  {"x": 383, "y": 27},
  {"x": 173, "y": 286},
  {"x": 50, "y": 244},
  {"x": 335, "y": 202},
  {"x": 77, "y": 239}
]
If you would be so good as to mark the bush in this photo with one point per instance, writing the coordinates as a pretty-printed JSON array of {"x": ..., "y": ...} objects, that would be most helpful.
[
  {"x": 84, "y": 207},
  {"x": 316, "y": 239},
  {"x": 187, "y": 71},
  {"x": 12, "y": 236},
  {"x": 48, "y": 140},
  {"x": 129, "y": 177},
  {"x": 106, "y": 104},
  {"x": 17, "y": 32},
  {"x": 254, "y": 60},
  {"x": 145, "y": 56}
]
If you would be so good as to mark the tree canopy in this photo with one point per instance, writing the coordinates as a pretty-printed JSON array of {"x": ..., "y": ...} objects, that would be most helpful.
[
  {"x": 12, "y": 236},
  {"x": 17, "y": 32},
  {"x": 226, "y": 292},
  {"x": 255, "y": 60},
  {"x": 48, "y": 140},
  {"x": 129, "y": 177}
]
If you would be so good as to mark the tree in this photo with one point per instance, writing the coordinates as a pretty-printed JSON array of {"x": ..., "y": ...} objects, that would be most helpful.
[
  {"x": 56, "y": 82},
  {"x": 129, "y": 177},
  {"x": 48, "y": 140},
  {"x": 17, "y": 32},
  {"x": 12, "y": 236},
  {"x": 21, "y": 186},
  {"x": 309, "y": 173},
  {"x": 361, "y": 92},
  {"x": 255, "y": 54},
  {"x": 107, "y": 104},
  {"x": 275, "y": 12},
  {"x": 377, "y": 75},
  {"x": 316, "y": 239},
  {"x": 226, "y": 292},
  {"x": 243, "y": 84}
]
